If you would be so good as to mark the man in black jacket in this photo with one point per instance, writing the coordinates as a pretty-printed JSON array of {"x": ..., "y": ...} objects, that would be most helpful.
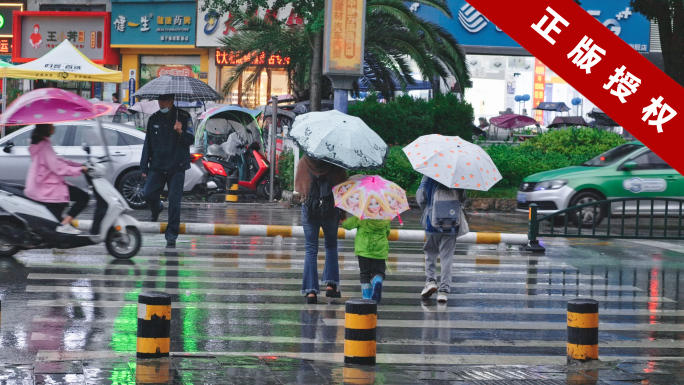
[{"x": 165, "y": 157}]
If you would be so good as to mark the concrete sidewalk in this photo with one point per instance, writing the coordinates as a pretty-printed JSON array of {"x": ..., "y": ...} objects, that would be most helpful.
[{"x": 217, "y": 368}]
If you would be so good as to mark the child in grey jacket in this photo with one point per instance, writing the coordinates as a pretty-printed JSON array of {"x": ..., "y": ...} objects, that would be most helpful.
[{"x": 438, "y": 242}]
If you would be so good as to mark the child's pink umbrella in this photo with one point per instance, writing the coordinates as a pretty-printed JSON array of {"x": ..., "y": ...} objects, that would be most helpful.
[
  {"x": 50, "y": 105},
  {"x": 370, "y": 197}
]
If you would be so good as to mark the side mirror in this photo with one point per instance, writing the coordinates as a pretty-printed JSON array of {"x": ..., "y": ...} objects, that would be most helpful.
[
  {"x": 8, "y": 147},
  {"x": 629, "y": 166},
  {"x": 86, "y": 148}
]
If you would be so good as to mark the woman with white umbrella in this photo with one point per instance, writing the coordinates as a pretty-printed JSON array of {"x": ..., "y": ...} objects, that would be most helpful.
[{"x": 333, "y": 142}]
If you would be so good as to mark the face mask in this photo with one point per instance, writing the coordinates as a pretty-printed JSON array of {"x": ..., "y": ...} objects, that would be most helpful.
[{"x": 164, "y": 110}]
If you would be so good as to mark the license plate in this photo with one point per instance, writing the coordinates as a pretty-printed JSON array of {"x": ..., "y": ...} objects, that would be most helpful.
[{"x": 522, "y": 198}]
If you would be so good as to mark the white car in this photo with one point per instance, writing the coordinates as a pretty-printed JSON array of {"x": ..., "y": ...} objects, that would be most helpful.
[{"x": 125, "y": 146}]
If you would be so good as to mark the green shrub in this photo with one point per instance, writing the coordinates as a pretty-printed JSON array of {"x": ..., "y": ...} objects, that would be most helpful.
[
  {"x": 402, "y": 120},
  {"x": 285, "y": 170},
  {"x": 575, "y": 141}
]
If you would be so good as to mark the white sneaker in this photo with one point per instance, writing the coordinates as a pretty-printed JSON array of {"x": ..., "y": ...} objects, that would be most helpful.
[
  {"x": 68, "y": 229},
  {"x": 430, "y": 288},
  {"x": 442, "y": 296}
]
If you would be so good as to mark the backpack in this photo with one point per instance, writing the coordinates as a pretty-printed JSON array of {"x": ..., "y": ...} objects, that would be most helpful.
[
  {"x": 443, "y": 208},
  {"x": 320, "y": 203}
]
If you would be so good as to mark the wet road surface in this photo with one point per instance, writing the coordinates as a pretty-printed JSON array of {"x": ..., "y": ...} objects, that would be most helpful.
[{"x": 241, "y": 295}]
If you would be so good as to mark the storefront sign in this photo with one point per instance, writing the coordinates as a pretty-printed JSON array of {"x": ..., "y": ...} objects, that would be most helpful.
[
  {"x": 344, "y": 37},
  {"x": 231, "y": 59},
  {"x": 5, "y": 46},
  {"x": 539, "y": 84},
  {"x": 142, "y": 24},
  {"x": 175, "y": 71},
  {"x": 6, "y": 19},
  {"x": 131, "y": 91},
  {"x": 471, "y": 28},
  {"x": 211, "y": 26},
  {"x": 40, "y": 32}
]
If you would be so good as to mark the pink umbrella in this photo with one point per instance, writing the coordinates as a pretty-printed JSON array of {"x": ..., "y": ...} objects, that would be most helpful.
[
  {"x": 510, "y": 121},
  {"x": 50, "y": 105},
  {"x": 115, "y": 107},
  {"x": 370, "y": 197}
]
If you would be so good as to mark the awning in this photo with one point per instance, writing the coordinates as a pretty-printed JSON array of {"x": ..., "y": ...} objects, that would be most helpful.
[
  {"x": 552, "y": 106},
  {"x": 601, "y": 119},
  {"x": 66, "y": 63},
  {"x": 563, "y": 121}
]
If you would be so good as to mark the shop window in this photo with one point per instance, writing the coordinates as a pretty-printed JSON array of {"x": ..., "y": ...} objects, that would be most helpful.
[{"x": 260, "y": 93}]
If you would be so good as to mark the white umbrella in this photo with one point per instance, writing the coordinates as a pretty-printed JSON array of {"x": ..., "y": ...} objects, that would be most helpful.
[
  {"x": 453, "y": 162},
  {"x": 340, "y": 139},
  {"x": 145, "y": 106}
]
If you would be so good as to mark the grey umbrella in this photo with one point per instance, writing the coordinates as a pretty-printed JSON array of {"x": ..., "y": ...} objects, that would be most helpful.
[{"x": 185, "y": 88}]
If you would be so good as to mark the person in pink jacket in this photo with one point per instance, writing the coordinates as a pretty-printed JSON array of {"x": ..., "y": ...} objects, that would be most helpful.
[{"x": 45, "y": 180}]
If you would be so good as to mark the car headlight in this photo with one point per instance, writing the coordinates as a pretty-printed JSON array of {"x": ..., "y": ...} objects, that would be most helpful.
[{"x": 550, "y": 185}]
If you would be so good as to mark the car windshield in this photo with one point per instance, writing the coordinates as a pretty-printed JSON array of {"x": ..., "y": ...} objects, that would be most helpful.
[{"x": 611, "y": 156}]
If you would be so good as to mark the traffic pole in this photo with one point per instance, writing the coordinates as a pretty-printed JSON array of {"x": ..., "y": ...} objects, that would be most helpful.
[
  {"x": 154, "y": 325},
  {"x": 360, "y": 322},
  {"x": 583, "y": 322}
]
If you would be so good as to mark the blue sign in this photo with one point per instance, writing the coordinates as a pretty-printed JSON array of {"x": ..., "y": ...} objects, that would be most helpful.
[
  {"x": 149, "y": 24},
  {"x": 131, "y": 91},
  {"x": 471, "y": 28}
]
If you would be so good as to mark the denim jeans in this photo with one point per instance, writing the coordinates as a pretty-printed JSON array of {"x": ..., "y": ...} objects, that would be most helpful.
[
  {"x": 153, "y": 189},
  {"x": 331, "y": 271}
]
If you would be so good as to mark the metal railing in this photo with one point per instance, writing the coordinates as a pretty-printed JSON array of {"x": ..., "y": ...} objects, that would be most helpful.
[{"x": 629, "y": 218}]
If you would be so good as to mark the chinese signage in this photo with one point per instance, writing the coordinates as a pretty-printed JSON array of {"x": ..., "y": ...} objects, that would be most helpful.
[
  {"x": 40, "y": 34},
  {"x": 539, "y": 84},
  {"x": 231, "y": 59},
  {"x": 605, "y": 69},
  {"x": 6, "y": 20},
  {"x": 5, "y": 46},
  {"x": 149, "y": 24},
  {"x": 211, "y": 26},
  {"x": 344, "y": 36},
  {"x": 472, "y": 28}
]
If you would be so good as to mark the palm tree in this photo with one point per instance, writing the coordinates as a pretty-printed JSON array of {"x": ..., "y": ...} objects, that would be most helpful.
[{"x": 395, "y": 38}]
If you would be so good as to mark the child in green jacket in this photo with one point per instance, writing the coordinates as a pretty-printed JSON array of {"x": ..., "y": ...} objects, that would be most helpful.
[{"x": 372, "y": 248}]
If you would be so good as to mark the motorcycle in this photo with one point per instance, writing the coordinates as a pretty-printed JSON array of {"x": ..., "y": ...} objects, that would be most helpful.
[
  {"x": 256, "y": 179},
  {"x": 224, "y": 135},
  {"x": 26, "y": 224}
]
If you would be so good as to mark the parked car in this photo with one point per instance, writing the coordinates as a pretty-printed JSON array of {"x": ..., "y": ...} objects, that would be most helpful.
[
  {"x": 125, "y": 145},
  {"x": 631, "y": 170}
]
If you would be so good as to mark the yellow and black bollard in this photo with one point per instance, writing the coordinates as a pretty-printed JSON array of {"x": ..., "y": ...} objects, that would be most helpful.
[
  {"x": 583, "y": 322},
  {"x": 360, "y": 322},
  {"x": 232, "y": 189},
  {"x": 154, "y": 325}
]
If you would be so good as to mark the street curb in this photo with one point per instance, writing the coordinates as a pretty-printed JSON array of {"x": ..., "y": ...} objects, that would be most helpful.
[{"x": 298, "y": 232}]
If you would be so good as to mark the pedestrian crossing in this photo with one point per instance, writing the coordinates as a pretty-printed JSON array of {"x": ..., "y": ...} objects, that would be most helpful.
[{"x": 233, "y": 295}]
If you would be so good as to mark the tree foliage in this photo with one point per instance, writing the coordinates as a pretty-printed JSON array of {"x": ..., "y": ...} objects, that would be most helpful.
[
  {"x": 669, "y": 14},
  {"x": 395, "y": 37}
]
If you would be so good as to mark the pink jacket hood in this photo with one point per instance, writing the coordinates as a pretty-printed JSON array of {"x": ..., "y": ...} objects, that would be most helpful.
[{"x": 45, "y": 179}]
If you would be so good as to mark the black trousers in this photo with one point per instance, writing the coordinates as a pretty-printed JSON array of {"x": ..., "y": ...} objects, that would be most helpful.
[
  {"x": 76, "y": 195},
  {"x": 370, "y": 267}
]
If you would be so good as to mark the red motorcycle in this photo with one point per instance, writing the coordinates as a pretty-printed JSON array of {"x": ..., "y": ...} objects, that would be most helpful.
[{"x": 255, "y": 173}]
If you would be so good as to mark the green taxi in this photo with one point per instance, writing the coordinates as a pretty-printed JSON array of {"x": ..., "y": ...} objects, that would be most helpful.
[{"x": 631, "y": 170}]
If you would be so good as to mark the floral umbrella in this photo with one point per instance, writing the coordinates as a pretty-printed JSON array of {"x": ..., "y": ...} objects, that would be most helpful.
[
  {"x": 50, "y": 105},
  {"x": 370, "y": 197},
  {"x": 453, "y": 162}
]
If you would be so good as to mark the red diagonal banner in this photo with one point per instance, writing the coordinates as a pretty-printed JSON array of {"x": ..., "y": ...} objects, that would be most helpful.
[{"x": 601, "y": 66}]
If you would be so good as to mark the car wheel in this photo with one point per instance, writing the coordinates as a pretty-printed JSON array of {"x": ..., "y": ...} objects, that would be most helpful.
[
  {"x": 586, "y": 215},
  {"x": 131, "y": 186}
]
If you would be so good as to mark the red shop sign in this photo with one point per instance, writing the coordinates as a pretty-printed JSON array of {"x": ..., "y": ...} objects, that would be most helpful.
[{"x": 175, "y": 71}]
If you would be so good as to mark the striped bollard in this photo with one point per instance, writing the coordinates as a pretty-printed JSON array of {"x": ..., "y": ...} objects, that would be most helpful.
[
  {"x": 232, "y": 189},
  {"x": 154, "y": 325},
  {"x": 583, "y": 322},
  {"x": 360, "y": 322}
]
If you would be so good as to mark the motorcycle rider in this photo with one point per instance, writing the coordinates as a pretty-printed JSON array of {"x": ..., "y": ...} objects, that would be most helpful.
[
  {"x": 45, "y": 179},
  {"x": 165, "y": 157}
]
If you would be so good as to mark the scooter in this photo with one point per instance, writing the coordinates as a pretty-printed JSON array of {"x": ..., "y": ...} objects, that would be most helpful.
[
  {"x": 222, "y": 170},
  {"x": 27, "y": 224}
]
